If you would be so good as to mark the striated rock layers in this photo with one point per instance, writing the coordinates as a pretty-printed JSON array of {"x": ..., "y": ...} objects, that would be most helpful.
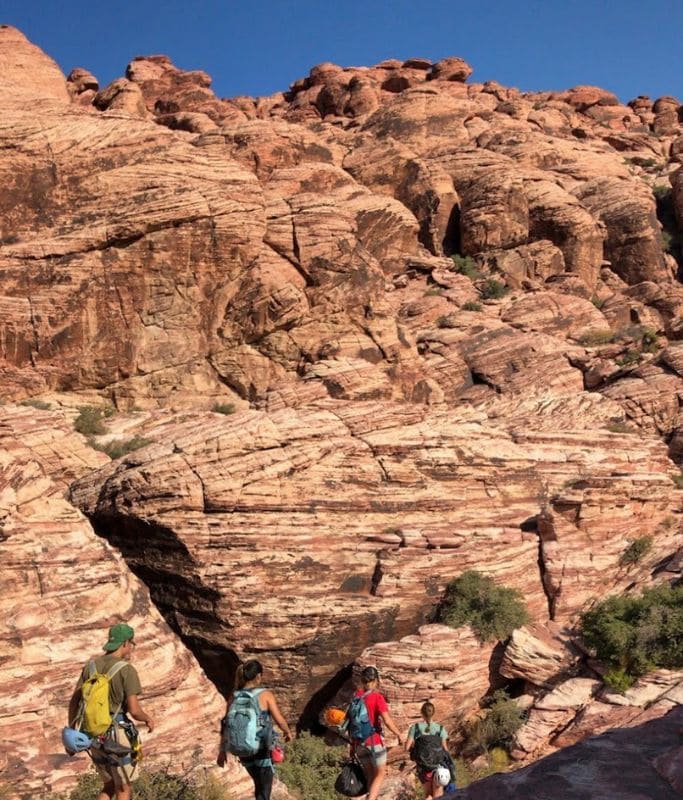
[
  {"x": 630, "y": 763},
  {"x": 304, "y": 535},
  {"x": 449, "y": 319},
  {"x": 62, "y": 587}
]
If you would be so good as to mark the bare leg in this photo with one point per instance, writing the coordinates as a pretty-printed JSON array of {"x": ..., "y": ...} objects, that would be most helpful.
[
  {"x": 124, "y": 792},
  {"x": 108, "y": 791},
  {"x": 376, "y": 781}
]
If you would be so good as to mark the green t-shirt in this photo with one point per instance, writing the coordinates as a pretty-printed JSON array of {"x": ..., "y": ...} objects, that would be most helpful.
[
  {"x": 427, "y": 727},
  {"x": 125, "y": 683}
]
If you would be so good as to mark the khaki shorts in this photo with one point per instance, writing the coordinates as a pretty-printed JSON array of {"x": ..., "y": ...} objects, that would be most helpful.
[
  {"x": 120, "y": 776},
  {"x": 372, "y": 755}
]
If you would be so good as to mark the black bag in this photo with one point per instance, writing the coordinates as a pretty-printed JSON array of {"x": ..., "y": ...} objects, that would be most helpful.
[
  {"x": 428, "y": 752},
  {"x": 351, "y": 780}
]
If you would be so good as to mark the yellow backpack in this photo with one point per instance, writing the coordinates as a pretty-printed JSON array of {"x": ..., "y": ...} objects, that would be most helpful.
[{"x": 96, "y": 717}]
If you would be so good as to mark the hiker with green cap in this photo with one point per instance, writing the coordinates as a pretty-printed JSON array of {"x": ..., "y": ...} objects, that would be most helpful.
[{"x": 105, "y": 698}]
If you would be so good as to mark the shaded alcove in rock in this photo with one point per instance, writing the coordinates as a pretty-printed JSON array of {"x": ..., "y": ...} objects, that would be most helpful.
[
  {"x": 309, "y": 719},
  {"x": 167, "y": 585}
]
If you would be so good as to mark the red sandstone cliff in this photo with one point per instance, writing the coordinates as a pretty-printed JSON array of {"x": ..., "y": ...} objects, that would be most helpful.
[{"x": 398, "y": 423}]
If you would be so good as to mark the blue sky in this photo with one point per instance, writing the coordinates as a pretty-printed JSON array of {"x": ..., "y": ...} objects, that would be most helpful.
[{"x": 260, "y": 46}]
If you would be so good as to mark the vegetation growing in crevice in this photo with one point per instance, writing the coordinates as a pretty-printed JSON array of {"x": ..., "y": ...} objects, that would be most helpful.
[
  {"x": 466, "y": 265},
  {"x": 492, "y": 611},
  {"x": 120, "y": 447},
  {"x": 634, "y": 634},
  {"x": 311, "y": 768},
  {"x": 497, "y": 728},
  {"x": 194, "y": 783},
  {"x": 636, "y": 550},
  {"x": 91, "y": 420},
  {"x": 667, "y": 216},
  {"x": 224, "y": 408}
]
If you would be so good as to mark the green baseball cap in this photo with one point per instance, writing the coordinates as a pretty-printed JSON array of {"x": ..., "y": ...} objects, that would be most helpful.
[{"x": 118, "y": 634}]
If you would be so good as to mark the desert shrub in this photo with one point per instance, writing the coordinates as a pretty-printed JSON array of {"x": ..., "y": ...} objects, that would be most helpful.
[
  {"x": 598, "y": 302},
  {"x": 474, "y": 599},
  {"x": 434, "y": 291},
  {"x": 121, "y": 447},
  {"x": 465, "y": 265},
  {"x": 636, "y": 550},
  {"x": 648, "y": 341},
  {"x": 633, "y": 634},
  {"x": 446, "y": 322},
  {"x": 667, "y": 241},
  {"x": 493, "y": 289},
  {"x": 224, "y": 408},
  {"x": 619, "y": 427},
  {"x": 618, "y": 681},
  {"x": 661, "y": 192},
  {"x": 631, "y": 357},
  {"x": 596, "y": 338},
  {"x": 90, "y": 420},
  {"x": 471, "y": 305},
  {"x": 33, "y": 403},
  {"x": 498, "y": 761},
  {"x": 678, "y": 480},
  {"x": 311, "y": 768},
  {"x": 496, "y": 730},
  {"x": 639, "y": 161}
]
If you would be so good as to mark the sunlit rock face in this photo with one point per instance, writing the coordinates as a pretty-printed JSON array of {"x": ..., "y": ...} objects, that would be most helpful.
[
  {"x": 447, "y": 318},
  {"x": 62, "y": 588}
]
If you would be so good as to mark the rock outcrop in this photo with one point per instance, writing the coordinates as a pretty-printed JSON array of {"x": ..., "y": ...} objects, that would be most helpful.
[
  {"x": 62, "y": 587},
  {"x": 629, "y": 763},
  {"x": 447, "y": 318}
]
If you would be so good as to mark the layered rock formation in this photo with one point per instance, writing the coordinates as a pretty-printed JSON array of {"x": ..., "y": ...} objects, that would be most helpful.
[
  {"x": 645, "y": 760},
  {"x": 62, "y": 588},
  {"x": 448, "y": 317},
  {"x": 356, "y": 515}
]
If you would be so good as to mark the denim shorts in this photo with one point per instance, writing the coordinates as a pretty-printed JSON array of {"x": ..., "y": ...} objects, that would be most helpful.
[{"x": 374, "y": 754}]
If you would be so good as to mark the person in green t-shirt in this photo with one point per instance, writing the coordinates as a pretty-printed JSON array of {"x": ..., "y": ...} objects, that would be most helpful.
[
  {"x": 428, "y": 727},
  {"x": 124, "y": 688}
]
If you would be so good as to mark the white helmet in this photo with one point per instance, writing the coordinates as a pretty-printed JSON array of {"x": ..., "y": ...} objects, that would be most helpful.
[{"x": 442, "y": 776}]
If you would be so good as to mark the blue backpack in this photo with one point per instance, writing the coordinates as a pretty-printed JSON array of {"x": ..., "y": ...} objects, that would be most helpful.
[
  {"x": 358, "y": 724},
  {"x": 246, "y": 730}
]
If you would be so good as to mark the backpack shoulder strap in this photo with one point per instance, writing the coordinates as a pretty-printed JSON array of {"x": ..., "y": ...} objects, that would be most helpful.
[
  {"x": 117, "y": 667},
  {"x": 92, "y": 669}
]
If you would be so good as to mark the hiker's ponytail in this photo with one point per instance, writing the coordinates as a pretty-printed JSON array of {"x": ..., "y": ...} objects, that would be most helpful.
[
  {"x": 427, "y": 712},
  {"x": 246, "y": 672}
]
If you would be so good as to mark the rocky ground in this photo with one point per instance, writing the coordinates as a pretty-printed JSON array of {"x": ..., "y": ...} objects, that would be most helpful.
[{"x": 444, "y": 323}]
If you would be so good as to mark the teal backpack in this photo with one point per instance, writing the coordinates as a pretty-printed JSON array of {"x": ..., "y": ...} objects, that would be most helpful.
[
  {"x": 358, "y": 724},
  {"x": 247, "y": 730}
]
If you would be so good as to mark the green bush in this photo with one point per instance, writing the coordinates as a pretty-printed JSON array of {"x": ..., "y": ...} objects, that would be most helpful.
[
  {"x": 636, "y": 550},
  {"x": 466, "y": 265},
  {"x": 224, "y": 408},
  {"x": 649, "y": 342},
  {"x": 618, "y": 681},
  {"x": 471, "y": 305},
  {"x": 90, "y": 420},
  {"x": 434, "y": 291},
  {"x": 631, "y": 357},
  {"x": 678, "y": 480},
  {"x": 33, "y": 403},
  {"x": 311, "y": 768},
  {"x": 498, "y": 761},
  {"x": 493, "y": 289},
  {"x": 598, "y": 302},
  {"x": 492, "y": 611},
  {"x": 502, "y": 721},
  {"x": 619, "y": 427},
  {"x": 661, "y": 192},
  {"x": 639, "y": 161},
  {"x": 121, "y": 447},
  {"x": 633, "y": 634},
  {"x": 158, "y": 784}
]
